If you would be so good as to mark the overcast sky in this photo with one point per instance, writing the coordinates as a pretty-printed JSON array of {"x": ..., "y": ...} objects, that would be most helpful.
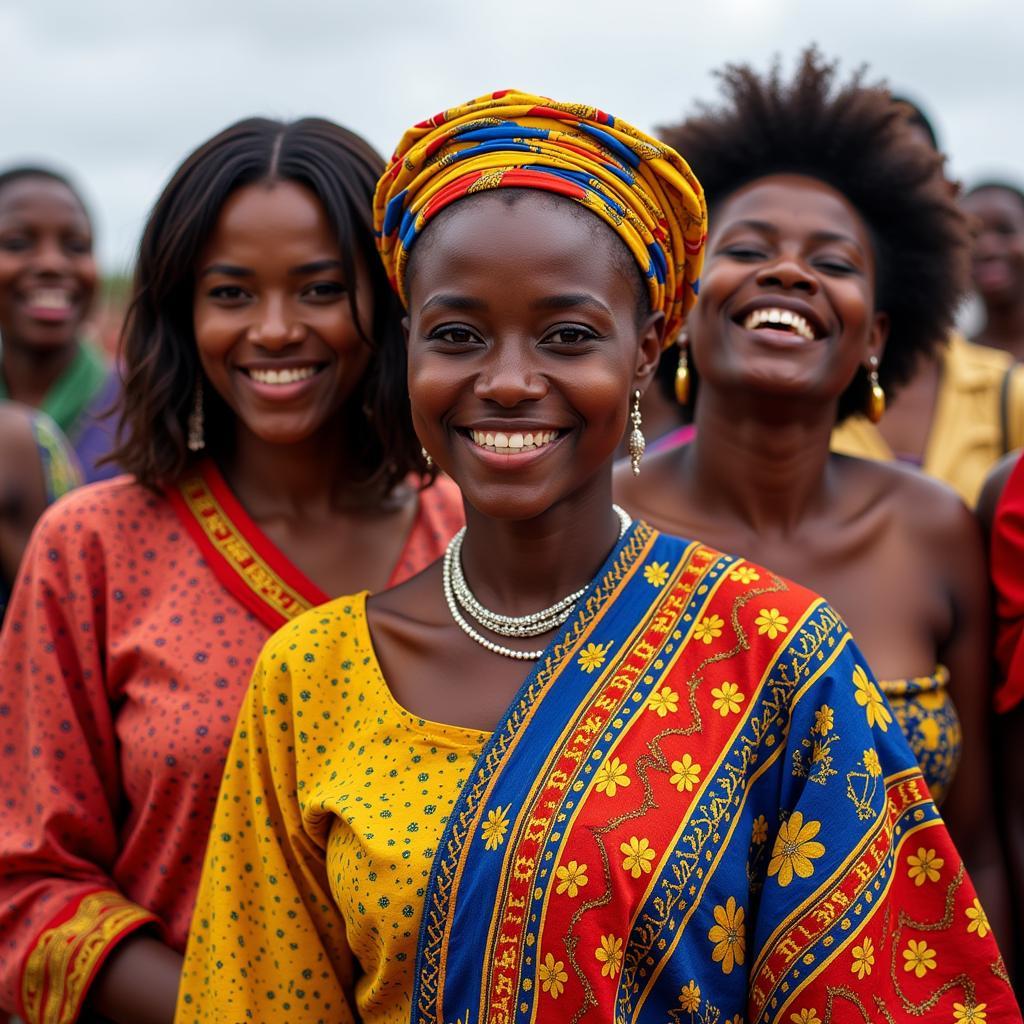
[{"x": 118, "y": 93}]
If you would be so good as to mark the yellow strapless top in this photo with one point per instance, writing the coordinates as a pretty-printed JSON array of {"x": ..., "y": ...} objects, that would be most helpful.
[{"x": 926, "y": 714}]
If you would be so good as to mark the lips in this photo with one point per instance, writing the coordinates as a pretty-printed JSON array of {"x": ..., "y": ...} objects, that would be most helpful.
[{"x": 50, "y": 304}]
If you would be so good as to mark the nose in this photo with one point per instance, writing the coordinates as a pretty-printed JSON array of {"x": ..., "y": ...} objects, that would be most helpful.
[
  {"x": 789, "y": 272},
  {"x": 508, "y": 377},
  {"x": 275, "y": 327},
  {"x": 988, "y": 244},
  {"x": 51, "y": 257}
]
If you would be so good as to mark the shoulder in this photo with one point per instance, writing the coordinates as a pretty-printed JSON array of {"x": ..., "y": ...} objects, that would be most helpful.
[
  {"x": 324, "y": 638},
  {"x": 995, "y": 487},
  {"x": 966, "y": 356},
  {"x": 101, "y": 507}
]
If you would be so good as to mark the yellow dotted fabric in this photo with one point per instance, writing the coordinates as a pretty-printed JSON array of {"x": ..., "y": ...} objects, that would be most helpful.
[{"x": 333, "y": 803}]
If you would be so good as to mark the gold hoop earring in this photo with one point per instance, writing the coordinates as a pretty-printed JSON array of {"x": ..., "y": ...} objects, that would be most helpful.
[
  {"x": 682, "y": 383},
  {"x": 426, "y": 457},
  {"x": 196, "y": 434},
  {"x": 876, "y": 397},
  {"x": 637, "y": 441}
]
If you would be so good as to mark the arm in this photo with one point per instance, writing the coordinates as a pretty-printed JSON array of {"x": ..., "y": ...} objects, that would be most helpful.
[
  {"x": 61, "y": 915},
  {"x": 866, "y": 912},
  {"x": 970, "y": 809},
  {"x": 266, "y": 934}
]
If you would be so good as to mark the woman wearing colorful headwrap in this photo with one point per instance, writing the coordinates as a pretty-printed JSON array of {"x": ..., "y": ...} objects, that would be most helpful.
[{"x": 578, "y": 770}]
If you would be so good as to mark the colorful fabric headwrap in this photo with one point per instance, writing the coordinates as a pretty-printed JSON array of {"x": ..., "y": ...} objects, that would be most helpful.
[{"x": 639, "y": 186}]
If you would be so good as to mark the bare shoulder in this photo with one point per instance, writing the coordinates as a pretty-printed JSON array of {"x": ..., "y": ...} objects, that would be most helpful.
[{"x": 17, "y": 440}]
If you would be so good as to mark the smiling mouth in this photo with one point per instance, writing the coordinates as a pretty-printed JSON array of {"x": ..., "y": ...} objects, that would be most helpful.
[
  {"x": 508, "y": 443},
  {"x": 289, "y": 375},
  {"x": 779, "y": 320}
]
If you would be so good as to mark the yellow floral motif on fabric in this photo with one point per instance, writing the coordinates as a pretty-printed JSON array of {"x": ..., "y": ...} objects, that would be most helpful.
[
  {"x": 609, "y": 955},
  {"x": 638, "y": 856},
  {"x": 727, "y": 699},
  {"x": 745, "y": 574},
  {"x": 970, "y": 1013},
  {"x": 795, "y": 848},
  {"x": 978, "y": 919},
  {"x": 611, "y": 776},
  {"x": 868, "y": 697},
  {"x": 552, "y": 976},
  {"x": 571, "y": 878},
  {"x": 806, "y": 1016},
  {"x": 824, "y": 720},
  {"x": 871, "y": 762},
  {"x": 689, "y": 997},
  {"x": 708, "y": 629},
  {"x": 925, "y": 866},
  {"x": 494, "y": 828},
  {"x": 663, "y": 702},
  {"x": 686, "y": 774},
  {"x": 919, "y": 958},
  {"x": 656, "y": 573},
  {"x": 769, "y": 621},
  {"x": 729, "y": 934},
  {"x": 863, "y": 959},
  {"x": 759, "y": 833},
  {"x": 593, "y": 656}
]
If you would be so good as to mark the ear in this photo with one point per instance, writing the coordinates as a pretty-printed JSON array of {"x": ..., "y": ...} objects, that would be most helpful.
[
  {"x": 877, "y": 338},
  {"x": 648, "y": 354}
]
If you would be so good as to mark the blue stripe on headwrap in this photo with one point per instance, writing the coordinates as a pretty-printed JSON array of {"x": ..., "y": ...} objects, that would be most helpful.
[{"x": 624, "y": 153}]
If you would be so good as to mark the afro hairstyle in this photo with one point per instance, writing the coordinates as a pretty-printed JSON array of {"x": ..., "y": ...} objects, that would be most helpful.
[{"x": 855, "y": 138}]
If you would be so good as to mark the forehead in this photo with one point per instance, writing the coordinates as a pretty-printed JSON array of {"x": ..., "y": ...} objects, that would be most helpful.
[
  {"x": 275, "y": 214},
  {"x": 533, "y": 241},
  {"x": 793, "y": 204},
  {"x": 997, "y": 203},
  {"x": 35, "y": 197}
]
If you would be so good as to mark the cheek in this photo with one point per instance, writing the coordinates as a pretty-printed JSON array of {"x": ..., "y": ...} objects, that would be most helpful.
[
  {"x": 215, "y": 334},
  {"x": 87, "y": 273}
]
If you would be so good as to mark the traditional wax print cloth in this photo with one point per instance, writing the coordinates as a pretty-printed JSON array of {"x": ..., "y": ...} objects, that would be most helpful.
[
  {"x": 80, "y": 402},
  {"x": 979, "y": 417},
  {"x": 1007, "y": 569},
  {"x": 697, "y": 808},
  {"x": 124, "y": 660},
  {"x": 640, "y": 187}
]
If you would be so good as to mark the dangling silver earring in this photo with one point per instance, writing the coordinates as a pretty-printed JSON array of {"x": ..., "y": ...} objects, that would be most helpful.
[
  {"x": 637, "y": 441},
  {"x": 426, "y": 457},
  {"x": 196, "y": 437}
]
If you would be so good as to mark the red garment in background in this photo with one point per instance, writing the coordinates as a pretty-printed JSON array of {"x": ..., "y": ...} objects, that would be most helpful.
[
  {"x": 122, "y": 667},
  {"x": 1007, "y": 570}
]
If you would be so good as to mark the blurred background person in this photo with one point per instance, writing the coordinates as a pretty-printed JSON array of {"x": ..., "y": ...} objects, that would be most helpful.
[
  {"x": 266, "y": 429},
  {"x": 963, "y": 407},
  {"x": 834, "y": 238},
  {"x": 37, "y": 466},
  {"x": 48, "y": 279},
  {"x": 997, "y": 264}
]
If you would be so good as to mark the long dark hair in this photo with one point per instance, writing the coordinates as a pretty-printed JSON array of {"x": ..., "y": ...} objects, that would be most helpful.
[{"x": 159, "y": 358}]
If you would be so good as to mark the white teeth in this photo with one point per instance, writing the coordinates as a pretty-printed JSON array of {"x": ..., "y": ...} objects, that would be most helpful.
[
  {"x": 498, "y": 441},
  {"x": 50, "y": 298},
  {"x": 779, "y": 318},
  {"x": 288, "y": 376}
]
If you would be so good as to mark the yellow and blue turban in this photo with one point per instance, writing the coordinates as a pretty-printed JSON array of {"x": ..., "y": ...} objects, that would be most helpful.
[{"x": 639, "y": 186}]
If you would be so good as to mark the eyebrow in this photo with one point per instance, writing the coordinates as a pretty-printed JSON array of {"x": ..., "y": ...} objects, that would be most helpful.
[
  {"x": 231, "y": 270},
  {"x": 464, "y": 302},
  {"x": 818, "y": 236}
]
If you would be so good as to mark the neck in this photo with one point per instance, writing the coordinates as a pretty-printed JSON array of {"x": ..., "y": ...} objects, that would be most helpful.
[
  {"x": 518, "y": 566},
  {"x": 30, "y": 372},
  {"x": 292, "y": 481},
  {"x": 766, "y": 466},
  {"x": 1004, "y": 326}
]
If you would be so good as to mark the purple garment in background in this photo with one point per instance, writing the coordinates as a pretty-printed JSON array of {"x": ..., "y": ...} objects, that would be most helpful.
[{"x": 93, "y": 434}]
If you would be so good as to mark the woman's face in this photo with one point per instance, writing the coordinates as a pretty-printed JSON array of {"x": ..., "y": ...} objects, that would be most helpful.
[
  {"x": 997, "y": 260},
  {"x": 47, "y": 270},
  {"x": 787, "y": 299},
  {"x": 271, "y": 313},
  {"x": 524, "y": 350}
]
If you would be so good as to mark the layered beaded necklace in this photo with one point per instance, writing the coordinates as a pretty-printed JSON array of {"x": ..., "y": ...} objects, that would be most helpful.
[{"x": 459, "y": 597}]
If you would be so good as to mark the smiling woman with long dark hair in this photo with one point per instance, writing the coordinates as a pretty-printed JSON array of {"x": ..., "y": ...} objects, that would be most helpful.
[
  {"x": 578, "y": 770},
  {"x": 266, "y": 428}
]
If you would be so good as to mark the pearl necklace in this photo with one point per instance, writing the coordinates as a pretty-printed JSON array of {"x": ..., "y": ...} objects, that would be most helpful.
[{"x": 457, "y": 592}]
